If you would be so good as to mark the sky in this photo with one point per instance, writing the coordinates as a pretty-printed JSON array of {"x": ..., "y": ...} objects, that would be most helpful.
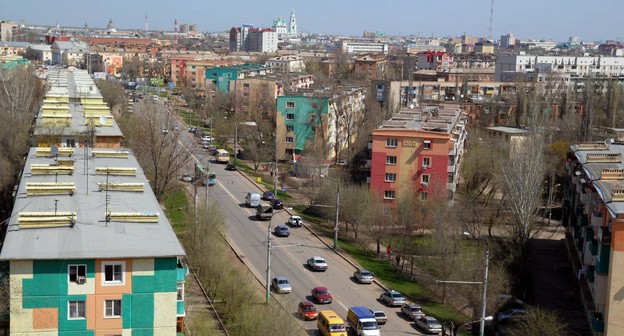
[{"x": 557, "y": 20}]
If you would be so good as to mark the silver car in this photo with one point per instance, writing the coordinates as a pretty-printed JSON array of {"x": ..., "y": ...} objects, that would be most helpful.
[
  {"x": 363, "y": 276},
  {"x": 281, "y": 285},
  {"x": 428, "y": 324}
]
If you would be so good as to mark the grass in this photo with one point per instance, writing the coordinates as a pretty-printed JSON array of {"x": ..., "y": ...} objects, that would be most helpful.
[{"x": 176, "y": 207}]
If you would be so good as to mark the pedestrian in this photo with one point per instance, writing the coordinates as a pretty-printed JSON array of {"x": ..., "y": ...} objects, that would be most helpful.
[
  {"x": 398, "y": 259},
  {"x": 388, "y": 250}
]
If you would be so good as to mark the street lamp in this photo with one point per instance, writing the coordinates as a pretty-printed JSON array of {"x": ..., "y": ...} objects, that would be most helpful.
[
  {"x": 481, "y": 320},
  {"x": 337, "y": 206},
  {"x": 269, "y": 248}
]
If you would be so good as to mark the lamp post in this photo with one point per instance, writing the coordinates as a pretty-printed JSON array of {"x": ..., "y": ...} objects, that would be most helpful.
[
  {"x": 269, "y": 248},
  {"x": 482, "y": 320}
]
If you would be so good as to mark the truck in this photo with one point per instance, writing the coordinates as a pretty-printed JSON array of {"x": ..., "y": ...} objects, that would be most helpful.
[
  {"x": 264, "y": 212},
  {"x": 362, "y": 321}
]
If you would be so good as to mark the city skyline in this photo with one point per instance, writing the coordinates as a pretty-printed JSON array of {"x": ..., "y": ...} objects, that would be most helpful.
[{"x": 554, "y": 20}]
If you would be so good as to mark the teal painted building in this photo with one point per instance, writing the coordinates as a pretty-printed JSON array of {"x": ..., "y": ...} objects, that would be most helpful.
[
  {"x": 219, "y": 78},
  {"x": 298, "y": 121}
]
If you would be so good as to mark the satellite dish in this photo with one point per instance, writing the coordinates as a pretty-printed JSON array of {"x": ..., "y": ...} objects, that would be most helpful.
[
  {"x": 54, "y": 151},
  {"x": 102, "y": 120}
]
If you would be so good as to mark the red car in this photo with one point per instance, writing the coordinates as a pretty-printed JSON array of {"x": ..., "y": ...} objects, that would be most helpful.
[
  {"x": 307, "y": 311},
  {"x": 321, "y": 295}
]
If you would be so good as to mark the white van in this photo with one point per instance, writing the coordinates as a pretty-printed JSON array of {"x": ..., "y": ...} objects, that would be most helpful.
[{"x": 252, "y": 199}]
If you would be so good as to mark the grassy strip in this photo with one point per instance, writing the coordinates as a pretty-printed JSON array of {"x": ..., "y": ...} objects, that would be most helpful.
[{"x": 176, "y": 207}]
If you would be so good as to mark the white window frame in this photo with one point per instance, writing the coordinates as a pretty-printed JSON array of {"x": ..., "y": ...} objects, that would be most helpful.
[
  {"x": 389, "y": 159},
  {"x": 112, "y": 309},
  {"x": 390, "y": 177},
  {"x": 77, "y": 309},
  {"x": 180, "y": 291},
  {"x": 290, "y": 104},
  {"x": 290, "y": 128},
  {"x": 427, "y": 144},
  {"x": 426, "y": 162},
  {"x": 389, "y": 194},
  {"x": 114, "y": 282},
  {"x": 392, "y": 142},
  {"x": 69, "y": 267},
  {"x": 290, "y": 139},
  {"x": 424, "y": 195},
  {"x": 425, "y": 178}
]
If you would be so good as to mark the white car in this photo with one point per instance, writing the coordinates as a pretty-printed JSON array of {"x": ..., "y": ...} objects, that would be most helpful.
[
  {"x": 429, "y": 325},
  {"x": 295, "y": 221},
  {"x": 317, "y": 264},
  {"x": 281, "y": 285},
  {"x": 206, "y": 138}
]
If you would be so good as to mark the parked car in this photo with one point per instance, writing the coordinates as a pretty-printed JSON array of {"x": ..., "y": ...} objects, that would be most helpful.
[
  {"x": 412, "y": 311},
  {"x": 295, "y": 221},
  {"x": 277, "y": 203},
  {"x": 392, "y": 298},
  {"x": 428, "y": 324},
  {"x": 230, "y": 166},
  {"x": 186, "y": 178},
  {"x": 307, "y": 311},
  {"x": 511, "y": 315},
  {"x": 317, "y": 264},
  {"x": 281, "y": 285},
  {"x": 321, "y": 295},
  {"x": 281, "y": 231},
  {"x": 206, "y": 138},
  {"x": 380, "y": 316},
  {"x": 363, "y": 276},
  {"x": 192, "y": 129},
  {"x": 268, "y": 196}
]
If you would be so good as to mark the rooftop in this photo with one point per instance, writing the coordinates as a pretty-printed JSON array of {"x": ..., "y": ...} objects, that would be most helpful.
[{"x": 435, "y": 118}]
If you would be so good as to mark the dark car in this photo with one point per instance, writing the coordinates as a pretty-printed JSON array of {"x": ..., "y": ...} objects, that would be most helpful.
[
  {"x": 281, "y": 231},
  {"x": 321, "y": 295},
  {"x": 268, "y": 195},
  {"x": 277, "y": 203},
  {"x": 230, "y": 166}
]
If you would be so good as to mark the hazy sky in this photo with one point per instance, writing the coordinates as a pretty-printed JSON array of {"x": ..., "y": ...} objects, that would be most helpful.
[{"x": 544, "y": 19}]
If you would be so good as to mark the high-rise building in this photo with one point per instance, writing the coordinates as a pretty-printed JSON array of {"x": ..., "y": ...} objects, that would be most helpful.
[
  {"x": 292, "y": 29},
  {"x": 508, "y": 41},
  {"x": 248, "y": 38}
]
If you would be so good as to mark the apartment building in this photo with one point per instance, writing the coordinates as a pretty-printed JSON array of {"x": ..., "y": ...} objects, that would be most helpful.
[
  {"x": 432, "y": 60},
  {"x": 220, "y": 78},
  {"x": 89, "y": 249},
  {"x": 363, "y": 46},
  {"x": 593, "y": 214},
  {"x": 286, "y": 63},
  {"x": 69, "y": 53},
  {"x": 370, "y": 67},
  {"x": 248, "y": 38},
  {"x": 418, "y": 150},
  {"x": 190, "y": 70},
  {"x": 515, "y": 67},
  {"x": 324, "y": 120}
]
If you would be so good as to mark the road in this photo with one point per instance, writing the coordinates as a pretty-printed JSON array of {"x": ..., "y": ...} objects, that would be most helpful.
[{"x": 248, "y": 236}]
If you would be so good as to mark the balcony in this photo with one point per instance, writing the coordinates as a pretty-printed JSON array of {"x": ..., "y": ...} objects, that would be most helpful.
[
  {"x": 180, "y": 308},
  {"x": 451, "y": 169},
  {"x": 182, "y": 272},
  {"x": 602, "y": 261}
]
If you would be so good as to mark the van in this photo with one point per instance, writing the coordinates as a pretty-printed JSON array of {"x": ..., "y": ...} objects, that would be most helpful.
[
  {"x": 252, "y": 199},
  {"x": 330, "y": 324},
  {"x": 362, "y": 321}
]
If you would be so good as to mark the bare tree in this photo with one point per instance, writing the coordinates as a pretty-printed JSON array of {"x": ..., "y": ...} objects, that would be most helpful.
[
  {"x": 113, "y": 93},
  {"x": 538, "y": 322}
]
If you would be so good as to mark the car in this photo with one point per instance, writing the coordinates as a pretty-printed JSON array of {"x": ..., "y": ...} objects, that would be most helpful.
[
  {"x": 268, "y": 195},
  {"x": 380, "y": 316},
  {"x": 281, "y": 285},
  {"x": 317, "y": 264},
  {"x": 277, "y": 203},
  {"x": 206, "y": 138},
  {"x": 321, "y": 295},
  {"x": 307, "y": 310},
  {"x": 412, "y": 311},
  {"x": 281, "y": 231},
  {"x": 230, "y": 166},
  {"x": 192, "y": 129},
  {"x": 186, "y": 178},
  {"x": 511, "y": 315},
  {"x": 392, "y": 298},
  {"x": 207, "y": 146},
  {"x": 428, "y": 324},
  {"x": 165, "y": 130},
  {"x": 295, "y": 221},
  {"x": 363, "y": 276}
]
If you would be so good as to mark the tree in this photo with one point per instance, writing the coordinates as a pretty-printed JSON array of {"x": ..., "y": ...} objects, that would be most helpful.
[
  {"x": 156, "y": 148},
  {"x": 112, "y": 93},
  {"x": 538, "y": 322}
]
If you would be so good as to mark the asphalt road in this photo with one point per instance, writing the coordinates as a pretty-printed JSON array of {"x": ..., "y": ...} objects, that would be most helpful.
[{"x": 248, "y": 236}]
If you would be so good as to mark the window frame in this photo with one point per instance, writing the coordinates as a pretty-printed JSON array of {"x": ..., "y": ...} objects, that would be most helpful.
[
  {"x": 77, "y": 309},
  {"x": 393, "y": 175},
  {"x": 426, "y": 161},
  {"x": 389, "y": 158},
  {"x": 290, "y": 116},
  {"x": 290, "y": 104},
  {"x": 426, "y": 177},
  {"x": 180, "y": 291},
  {"x": 427, "y": 144},
  {"x": 290, "y": 139},
  {"x": 424, "y": 195},
  {"x": 392, "y": 142},
  {"x": 114, "y": 282},
  {"x": 389, "y": 194},
  {"x": 106, "y": 316},
  {"x": 290, "y": 128},
  {"x": 77, "y": 266}
]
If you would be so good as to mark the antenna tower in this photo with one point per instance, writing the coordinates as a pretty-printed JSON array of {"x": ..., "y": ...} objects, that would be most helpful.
[
  {"x": 145, "y": 20},
  {"x": 490, "y": 33}
]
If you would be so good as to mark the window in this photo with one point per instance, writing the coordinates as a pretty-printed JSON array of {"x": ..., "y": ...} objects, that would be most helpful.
[
  {"x": 76, "y": 310},
  {"x": 112, "y": 308},
  {"x": 451, "y": 177},
  {"x": 290, "y": 128},
  {"x": 424, "y": 195},
  {"x": 289, "y": 151},
  {"x": 214, "y": 74},
  {"x": 289, "y": 139},
  {"x": 290, "y": 116},
  {"x": 391, "y": 160},
  {"x": 389, "y": 194},
  {"x": 180, "y": 291},
  {"x": 290, "y": 104},
  {"x": 425, "y": 178},
  {"x": 426, "y": 162},
  {"x": 390, "y": 177},
  {"x": 114, "y": 272},
  {"x": 392, "y": 142},
  {"x": 76, "y": 271},
  {"x": 427, "y": 144},
  {"x": 246, "y": 85}
]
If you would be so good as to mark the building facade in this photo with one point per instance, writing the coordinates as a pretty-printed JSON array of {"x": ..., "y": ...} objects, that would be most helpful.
[
  {"x": 432, "y": 60},
  {"x": 248, "y": 38},
  {"x": 363, "y": 46},
  {"x": 220, "y": 78},
  {"x": 418, "y": 151},
  {"x": 370, "y": 67},
  {"x": 515, "y": 67},
  {"x": 286, "y": 63}
]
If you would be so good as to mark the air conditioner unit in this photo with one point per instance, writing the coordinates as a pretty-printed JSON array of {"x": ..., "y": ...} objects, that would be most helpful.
[
  {"x": 425, "y": 184},
  {"x": 81, "y": 280}
]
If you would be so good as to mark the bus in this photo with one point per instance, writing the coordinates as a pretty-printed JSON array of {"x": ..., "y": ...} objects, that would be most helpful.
[
  {"x": 223, "y": 156},
  {"x": 330, "y": 324}
]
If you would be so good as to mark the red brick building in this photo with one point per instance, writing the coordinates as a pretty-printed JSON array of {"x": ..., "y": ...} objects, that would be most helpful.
[{"x": 370, "y": 67}]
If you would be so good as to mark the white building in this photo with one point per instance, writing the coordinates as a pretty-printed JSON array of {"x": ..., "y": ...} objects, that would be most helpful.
[
  {"x": 364, "y": 47},
  {"x": 42, "y": 51},
  {"x": 286, "y": 63},
  {"x": 247, "y": 38},
  {"x": 280, "y": 27},
  {"x": 69, "y": 53},
  {"x": 510, "y": 67}
]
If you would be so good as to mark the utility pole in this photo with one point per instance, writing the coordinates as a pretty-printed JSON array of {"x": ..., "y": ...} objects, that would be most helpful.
[{"x": 484, "y": 300}]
